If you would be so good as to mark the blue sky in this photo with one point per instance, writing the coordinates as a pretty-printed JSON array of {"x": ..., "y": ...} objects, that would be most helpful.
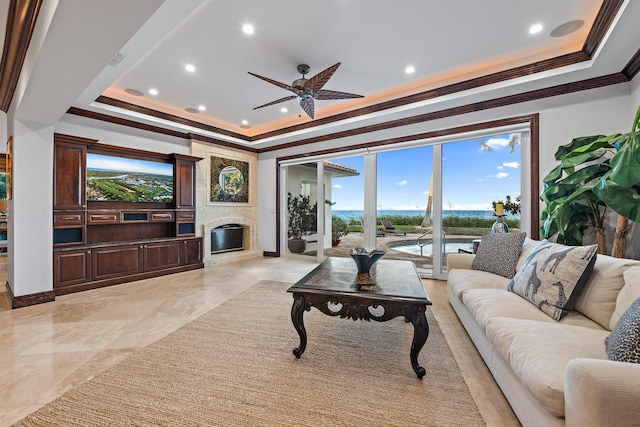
[
  {"x": 99, "y": 161},
  {"x": 473, "y": 177}
]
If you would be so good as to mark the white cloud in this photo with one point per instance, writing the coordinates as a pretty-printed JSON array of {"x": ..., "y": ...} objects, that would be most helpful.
[
  {"x": 500, "y": 167},
  {"x": 514, "y": 165},
  {"x": 501, "y": 175},
  {"x": 479, "y": 179},
  {"x": 337, "y": 186},
  {"x": 425, "y": 192},
  {"x": 495, "y": 144},
  {"x": 403, "y": 182}
]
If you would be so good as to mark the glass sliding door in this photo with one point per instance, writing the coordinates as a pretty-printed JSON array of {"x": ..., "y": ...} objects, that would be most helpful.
[
  {"x": 405, "y": 205},
  {"x": 344, "y": 205},
  {"x": 475, "y": 174},
  {"x": 301, "y": 208}
]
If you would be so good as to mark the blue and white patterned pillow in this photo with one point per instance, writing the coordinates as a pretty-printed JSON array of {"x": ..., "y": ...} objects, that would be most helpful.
[{"x": 553, "y": 276}]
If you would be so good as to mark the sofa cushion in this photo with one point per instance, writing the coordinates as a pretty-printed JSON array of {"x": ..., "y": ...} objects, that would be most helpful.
[
  {"x": 598, "y": 298},
  {"x": 498, "y": 253},
  {"x": 538, "y": 353},
  {"x": 623, "y": 345},
  {"x": 461, "y": 281},
  {"x": 485, "y": 304},
  {"x": 627, "y": 295},
  {"x": 553, "y": 276}
]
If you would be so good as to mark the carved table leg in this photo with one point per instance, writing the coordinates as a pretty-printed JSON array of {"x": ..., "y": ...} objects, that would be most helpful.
[
  {"x": 297, "y": 312},
  {"x": 420, "y": 335}
]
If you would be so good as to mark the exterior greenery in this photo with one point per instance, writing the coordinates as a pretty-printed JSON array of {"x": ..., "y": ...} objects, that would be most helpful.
[
  {"x": 453, "y": 224},
  {"x": 302, "y": 216},
  {"x": 339, "y": 227}
]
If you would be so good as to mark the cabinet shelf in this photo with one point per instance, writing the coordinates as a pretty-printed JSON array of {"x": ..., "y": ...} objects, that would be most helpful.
[{"x": 101, "y": 243}]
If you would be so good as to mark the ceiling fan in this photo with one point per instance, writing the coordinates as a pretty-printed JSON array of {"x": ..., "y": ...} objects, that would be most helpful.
[{"x": 308, "y": 89}]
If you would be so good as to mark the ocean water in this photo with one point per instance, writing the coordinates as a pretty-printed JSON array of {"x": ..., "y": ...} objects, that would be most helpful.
[{"x": 358, "y": 214}]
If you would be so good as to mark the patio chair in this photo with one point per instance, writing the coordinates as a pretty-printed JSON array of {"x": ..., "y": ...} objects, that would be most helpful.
[
  {"x": 379, "y": 232},
  {"x": 387, "y": 227}
]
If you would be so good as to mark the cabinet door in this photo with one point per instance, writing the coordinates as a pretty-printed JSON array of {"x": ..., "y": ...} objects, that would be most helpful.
[
  {"x": 71, "y": 267},
  {"x": 185, "y": 184},
  {"x": 69, "y": 176},
  {"x": 116, "y": 261},
  {"x": 192, "y": 251},
  {"x": 159, "y": 256}
]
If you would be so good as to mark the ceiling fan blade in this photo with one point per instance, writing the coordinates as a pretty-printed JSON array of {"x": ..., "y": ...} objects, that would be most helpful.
[
  {"x": 277, "y": 101},
  {"x": 273, "y": 82},
  {"x": 334, "y": 94},
  {"x": 319, "y": 80},
  {"x": 308, "y": 106}
]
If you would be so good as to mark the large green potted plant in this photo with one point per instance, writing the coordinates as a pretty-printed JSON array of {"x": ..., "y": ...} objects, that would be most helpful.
[
  {"x": 302, "y": 219},
  {"x": 595, "y": 173}
]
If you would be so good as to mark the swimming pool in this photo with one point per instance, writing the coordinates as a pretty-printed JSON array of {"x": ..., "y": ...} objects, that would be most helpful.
[{"x": 427, "y": 250}]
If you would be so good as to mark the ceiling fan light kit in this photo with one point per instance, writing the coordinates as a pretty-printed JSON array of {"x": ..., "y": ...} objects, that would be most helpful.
[{"x": 308, "y": 89}]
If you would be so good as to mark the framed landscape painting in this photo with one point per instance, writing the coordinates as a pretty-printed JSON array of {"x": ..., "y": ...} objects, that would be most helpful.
[{"x": 229, "y": 180}]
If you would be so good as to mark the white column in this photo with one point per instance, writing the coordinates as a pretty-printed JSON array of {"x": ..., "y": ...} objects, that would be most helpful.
[
  {"x": 29, "y": 220},
  {"x": 370, "y": 201}
]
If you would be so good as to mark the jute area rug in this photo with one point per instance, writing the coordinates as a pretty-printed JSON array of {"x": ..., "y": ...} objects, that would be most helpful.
[{"x": 234, "y": 366}]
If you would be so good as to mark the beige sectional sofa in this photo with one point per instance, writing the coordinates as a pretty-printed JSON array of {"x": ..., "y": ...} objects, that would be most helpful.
[{"x": 553, "y": 373}]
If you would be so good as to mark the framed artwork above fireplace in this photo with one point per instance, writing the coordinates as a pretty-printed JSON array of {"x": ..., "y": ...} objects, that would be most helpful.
[{"x": 229, "y": 180}]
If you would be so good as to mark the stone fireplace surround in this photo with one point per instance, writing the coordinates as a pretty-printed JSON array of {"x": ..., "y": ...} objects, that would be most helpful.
[{"x": 250, "y": 241}]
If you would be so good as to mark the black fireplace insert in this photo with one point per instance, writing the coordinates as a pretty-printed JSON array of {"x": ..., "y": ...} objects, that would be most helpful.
[{"x": 226, "y": 238}]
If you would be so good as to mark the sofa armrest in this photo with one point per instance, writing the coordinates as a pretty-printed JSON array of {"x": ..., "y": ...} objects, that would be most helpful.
[
  {"x": 601, "y": 393},
  {"x": 460, "y": 261}
]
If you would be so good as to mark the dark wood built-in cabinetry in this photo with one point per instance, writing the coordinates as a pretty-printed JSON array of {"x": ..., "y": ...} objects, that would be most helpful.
[{"x": 102, "y": 243}]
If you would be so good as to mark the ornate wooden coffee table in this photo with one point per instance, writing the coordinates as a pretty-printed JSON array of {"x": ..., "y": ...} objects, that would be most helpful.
[{"x": 331, "y": 288}]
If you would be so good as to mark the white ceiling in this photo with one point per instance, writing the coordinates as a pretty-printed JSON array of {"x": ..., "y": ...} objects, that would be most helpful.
[{"x": 374, "y": 41}]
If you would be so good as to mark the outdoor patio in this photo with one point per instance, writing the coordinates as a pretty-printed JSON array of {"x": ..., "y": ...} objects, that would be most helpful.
[{"x": 385, "y": 243}]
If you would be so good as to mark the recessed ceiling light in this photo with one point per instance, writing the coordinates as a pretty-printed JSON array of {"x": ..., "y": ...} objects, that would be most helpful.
[
  {"x": 202, "y": 107},
  {"x": 191, "y": 110},
  {"x": 153, "y": 92},
  {"x": 284, "y": 109},
  {"x": 410, "y": 69},
  {"x": 245, "y": 122},
  {"x": 190, "y": 68},
  {"x": 248, "y": 29},
  {"x": 134, "y": 92},
  {"x": 536, "y": 28}
]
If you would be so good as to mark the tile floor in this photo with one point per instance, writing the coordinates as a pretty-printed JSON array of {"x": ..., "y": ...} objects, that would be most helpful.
[{"x": 49, "y": 348}]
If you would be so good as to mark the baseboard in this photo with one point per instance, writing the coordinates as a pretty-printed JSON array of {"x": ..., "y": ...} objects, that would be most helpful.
[
  {"x": 30, "y": 299},
  {"x": 270, "y": 254}
]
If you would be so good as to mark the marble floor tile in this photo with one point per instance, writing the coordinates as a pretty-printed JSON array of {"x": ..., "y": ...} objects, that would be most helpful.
[{"x": 47, "y": 349}]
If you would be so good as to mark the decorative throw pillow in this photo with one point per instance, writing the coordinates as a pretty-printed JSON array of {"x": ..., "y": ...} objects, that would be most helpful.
[
  {"x": 553, "y": 275},
  {"x": 498, "y": 253},
  {"x": 623, "y": 344}
]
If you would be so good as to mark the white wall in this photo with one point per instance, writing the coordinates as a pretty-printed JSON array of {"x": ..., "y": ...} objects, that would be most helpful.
[
  {"x": 604, "y": 110},
  {"x": 121, "y": 136},
  {"x": 635, "y": 95}
]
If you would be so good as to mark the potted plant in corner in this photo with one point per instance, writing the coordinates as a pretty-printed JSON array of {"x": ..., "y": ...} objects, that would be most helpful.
[
  {"x": 595, "y": 173},
  {"x": 301, "y": 221},
  {"x": 339, "y": 228}
]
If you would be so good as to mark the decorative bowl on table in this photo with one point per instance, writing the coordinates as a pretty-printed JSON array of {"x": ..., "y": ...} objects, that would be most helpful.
[{"x": 364, "y": 261}]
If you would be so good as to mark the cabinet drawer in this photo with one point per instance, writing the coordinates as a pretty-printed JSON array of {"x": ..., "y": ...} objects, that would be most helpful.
[
  {"x": 162, "y": 216},
  {"x": 103, "y": 218},
  {"x": 62, "y": 219},
  {"x": 186, "y": 216}
]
